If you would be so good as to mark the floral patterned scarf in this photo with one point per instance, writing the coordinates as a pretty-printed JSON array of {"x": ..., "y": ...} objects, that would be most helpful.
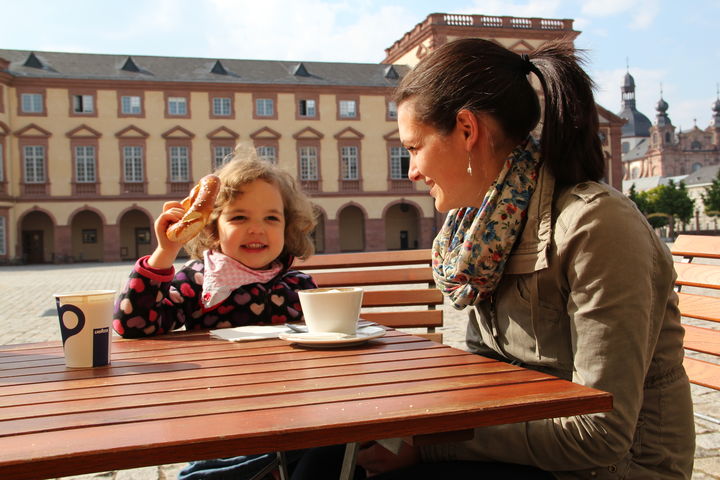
[{"x": 470, "y": 251}]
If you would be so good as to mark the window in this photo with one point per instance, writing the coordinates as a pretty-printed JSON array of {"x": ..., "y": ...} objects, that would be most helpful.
[
  {"x": 696, "y": 167},
  {"x": 179, "y": 164},
  {"x": 34, "y": 161},
  {"x": 85, "y": 164},
  {"x": 3, "y": 249},
  {"x": 349, "y": 163},
  {"x": 177, "y": 106},
  {"x": 221, "y": 106},
  {"x": 696, "y": 145},
  {"x": 348, "y": 109},
  {"x": 267, "y": 153},
  {"x": 221, "y": 155},
  {"x": 83, "y": 104},
  {"x": 625, "y": 147},
  {"x": 392, "y": 110},
  {"x": 308, "y": 163},
  {"x": 264, "y": 107},
  {"x": 133, "y": 164},
  {"x": 89, "y": 235},
  {"x": 131, "y": 105},
  {"x": 2, "y": 162},
  {"x": 399, "y": 163},
  {"x": 32, "y": 102},
  {"x": 306, "y": 108}
]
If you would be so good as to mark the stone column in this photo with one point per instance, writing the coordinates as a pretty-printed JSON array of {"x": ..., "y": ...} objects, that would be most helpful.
[
  {"x": 332, "y": 236},
  {"x": 62, "y": 243},
  {"x": 375, "y": 235},
  {"x": 111, "y": 243}
]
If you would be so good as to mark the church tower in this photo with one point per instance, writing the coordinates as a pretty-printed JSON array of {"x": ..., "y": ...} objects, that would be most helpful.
[
  {"x": 662, "y": 134},
  {"x": 637, "y": 126},
  {"x": 715, "y": 123}
]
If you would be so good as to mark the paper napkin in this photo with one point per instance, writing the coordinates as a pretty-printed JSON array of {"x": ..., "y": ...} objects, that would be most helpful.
[{"x": 250, "y": 332}]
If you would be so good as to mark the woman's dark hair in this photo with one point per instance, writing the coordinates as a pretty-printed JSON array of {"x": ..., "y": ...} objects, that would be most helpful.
[{"x": 482, "y": 76}]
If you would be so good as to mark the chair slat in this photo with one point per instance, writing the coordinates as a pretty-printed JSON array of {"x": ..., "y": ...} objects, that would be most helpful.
[
  {"x": 700, "y": 306},
  {"x": 397, "y": 276},
  {"x": 702, "y": 340},
  {"x": 698, "y": 275},
  {"x": 409, "y": 319},
  {"x": 697, "y": 246},
  {"x": 702, "y": 373},
  {"x": 392, "y": 298}
]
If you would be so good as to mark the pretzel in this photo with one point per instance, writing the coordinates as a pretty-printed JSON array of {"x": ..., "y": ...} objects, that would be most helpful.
[{"x": 198, "y": 206}]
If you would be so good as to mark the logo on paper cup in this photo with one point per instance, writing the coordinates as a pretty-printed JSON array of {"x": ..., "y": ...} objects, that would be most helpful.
[{"x": 65, "y": 331}]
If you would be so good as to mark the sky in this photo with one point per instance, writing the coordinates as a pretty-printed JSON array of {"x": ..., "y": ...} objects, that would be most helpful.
[{"x": 669, "y": 45}]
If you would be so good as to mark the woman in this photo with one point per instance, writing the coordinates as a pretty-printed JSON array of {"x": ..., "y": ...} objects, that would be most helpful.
[{"x": 559, "y": 272}]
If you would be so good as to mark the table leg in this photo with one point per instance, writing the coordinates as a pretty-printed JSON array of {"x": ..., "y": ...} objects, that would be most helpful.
[
  {"x": 348, "y": 467},
  {"x": 282, "y": 466}
]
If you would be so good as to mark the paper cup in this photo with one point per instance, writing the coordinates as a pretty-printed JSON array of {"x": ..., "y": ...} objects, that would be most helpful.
[
  {"x": 331, "y": 309},
  {"x": 85, "y": 326}
]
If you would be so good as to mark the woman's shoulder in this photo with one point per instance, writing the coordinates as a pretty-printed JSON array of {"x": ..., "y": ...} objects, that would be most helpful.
[{"x": 597, "y": 200}]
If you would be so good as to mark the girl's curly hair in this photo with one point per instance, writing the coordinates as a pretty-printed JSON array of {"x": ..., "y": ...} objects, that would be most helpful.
[{"x": 245, "y": 167}]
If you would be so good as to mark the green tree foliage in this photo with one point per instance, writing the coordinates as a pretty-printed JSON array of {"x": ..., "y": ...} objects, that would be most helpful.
[
  {"x": 664, "y": 203},
  {"x": 711, "y": 197}
]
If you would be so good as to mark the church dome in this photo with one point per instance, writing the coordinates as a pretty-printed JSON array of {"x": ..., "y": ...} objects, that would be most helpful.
[
  {"x": 662, "y": 106},
  {"x": 716, "y": 106},
  {"x": 629, "y": 81}
]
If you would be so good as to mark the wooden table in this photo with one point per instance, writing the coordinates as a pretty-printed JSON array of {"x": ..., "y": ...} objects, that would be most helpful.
[{"x": 189, "y": 396}]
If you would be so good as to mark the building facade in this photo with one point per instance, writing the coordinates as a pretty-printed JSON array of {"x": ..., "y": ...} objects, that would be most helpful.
[{"x": 91, "y": 146}]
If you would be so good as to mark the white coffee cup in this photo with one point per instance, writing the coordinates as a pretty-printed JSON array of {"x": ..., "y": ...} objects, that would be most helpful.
[
  {"x": 86, "y": 326},
  {"x": 331, "y": 309}
]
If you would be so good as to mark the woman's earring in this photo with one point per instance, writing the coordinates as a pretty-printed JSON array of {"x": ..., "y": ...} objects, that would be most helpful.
[{"x": 469, "y": 169}]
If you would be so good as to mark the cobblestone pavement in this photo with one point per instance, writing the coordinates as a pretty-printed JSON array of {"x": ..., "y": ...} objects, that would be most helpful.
[{"x": 27, "y": 314}]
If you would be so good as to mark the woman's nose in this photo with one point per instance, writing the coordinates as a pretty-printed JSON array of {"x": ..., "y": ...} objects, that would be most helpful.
[{"x": 413, "y": 173}]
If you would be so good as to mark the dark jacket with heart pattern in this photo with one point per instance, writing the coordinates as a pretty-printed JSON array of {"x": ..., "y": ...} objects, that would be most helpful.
[{"x": 157, "y": 301}]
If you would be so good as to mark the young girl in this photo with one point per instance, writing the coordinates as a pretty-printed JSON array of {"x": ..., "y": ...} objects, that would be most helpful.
[{"x": 240, "y": 268}]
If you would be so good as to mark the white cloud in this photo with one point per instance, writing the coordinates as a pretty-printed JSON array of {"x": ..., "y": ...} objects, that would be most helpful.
[
  {"x": 641, "y": 13},
  {"x": 647, "y": 88},
  {"x": 515, "y": 8},
  {"x": 273, "y": 29}
]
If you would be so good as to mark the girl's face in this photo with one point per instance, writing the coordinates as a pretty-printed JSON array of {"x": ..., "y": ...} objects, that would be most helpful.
[
  {"x": 440, "y": 161},
  {"x": 251, "y": 228}
]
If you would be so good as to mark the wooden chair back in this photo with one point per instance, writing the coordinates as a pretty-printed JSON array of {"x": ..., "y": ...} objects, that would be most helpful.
[
  {"x": 697, "y": 263},
  {"x": 400, "y": 289}
]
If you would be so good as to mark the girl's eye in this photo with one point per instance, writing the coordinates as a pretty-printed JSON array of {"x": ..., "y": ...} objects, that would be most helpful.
[
  {"x": 273, "y": 218},
  {"x": 237, "y": 218}
]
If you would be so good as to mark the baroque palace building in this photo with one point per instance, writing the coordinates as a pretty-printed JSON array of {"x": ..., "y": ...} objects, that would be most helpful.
[{"x": 92, "y": 145}]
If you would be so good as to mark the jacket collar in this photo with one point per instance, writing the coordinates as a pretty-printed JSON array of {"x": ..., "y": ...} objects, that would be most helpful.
[{"x": 530, "y": 254}]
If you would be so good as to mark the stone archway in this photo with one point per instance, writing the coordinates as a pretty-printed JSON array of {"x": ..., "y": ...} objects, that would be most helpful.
[
  {"x": 37, "y": 237},
  {"x": 136, "y": 235},
  {"x": 351, "y": 223},
  {"x": 402, "y": 227},
  {"x": 86, "y": 237}
]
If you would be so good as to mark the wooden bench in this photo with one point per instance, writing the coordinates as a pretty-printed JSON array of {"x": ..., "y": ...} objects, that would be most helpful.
[
  {"x": 698, "y": 286},
  {"x": 398, "y": 278}
]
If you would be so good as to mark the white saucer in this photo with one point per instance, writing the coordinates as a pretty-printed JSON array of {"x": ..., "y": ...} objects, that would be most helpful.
[{"x": 334, "y": 339}]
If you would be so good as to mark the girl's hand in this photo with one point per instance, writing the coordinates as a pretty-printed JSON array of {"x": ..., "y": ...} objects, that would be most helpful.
[
  {"x": 376, "y": 459},
  {"x": 167, "y": 251}
]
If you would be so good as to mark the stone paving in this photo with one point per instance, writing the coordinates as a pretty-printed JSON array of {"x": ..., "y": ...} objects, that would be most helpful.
[{"x": 27, "y": 314}]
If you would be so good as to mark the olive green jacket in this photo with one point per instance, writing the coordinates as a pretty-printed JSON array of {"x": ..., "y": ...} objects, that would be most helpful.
[{"x": 587, "y": 295}]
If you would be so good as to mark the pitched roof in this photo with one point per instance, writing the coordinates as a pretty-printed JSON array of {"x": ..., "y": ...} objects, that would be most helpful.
[
  {"x": 703, "y": 175},
  {"x": 59, "y": 65}
]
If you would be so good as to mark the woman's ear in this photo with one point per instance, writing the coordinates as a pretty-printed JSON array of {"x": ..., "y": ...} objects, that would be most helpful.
[{"x": 469, "y": 126}]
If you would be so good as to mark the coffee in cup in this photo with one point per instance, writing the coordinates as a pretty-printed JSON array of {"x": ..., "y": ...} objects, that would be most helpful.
[
  {"x": 85, "y": 326},
  {"x": 331, "y": 309}
]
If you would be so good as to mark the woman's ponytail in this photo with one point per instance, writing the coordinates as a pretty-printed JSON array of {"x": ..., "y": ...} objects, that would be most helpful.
[{"x": 570, "y": 143}]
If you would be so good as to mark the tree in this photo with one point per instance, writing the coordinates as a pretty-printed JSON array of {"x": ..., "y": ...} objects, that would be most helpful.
[
  {"x": 711, "y": 197},
  {"x": 645, "y": 201},
  {"x": 674, "y": 201}
]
